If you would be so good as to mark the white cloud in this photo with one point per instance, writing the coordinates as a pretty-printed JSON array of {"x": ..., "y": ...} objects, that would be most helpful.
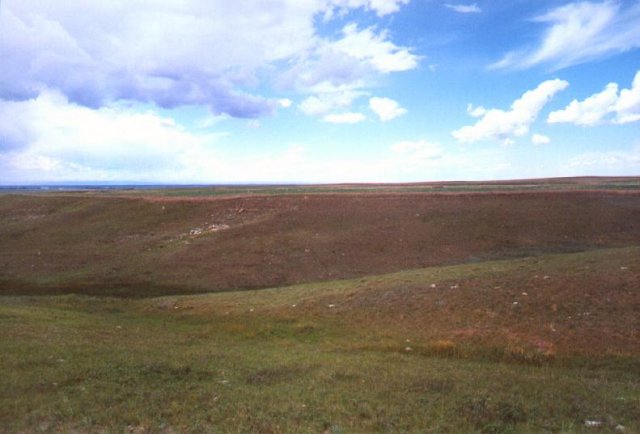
[
  {"x": 337, "y": 72},
  {"x": 476, "y": 112},
  {"x": 173, "y": 53},
  {"x": 375, "y": 49},
  {"x": 503, "y": 126},
  {"x": 72, "y": 143},
  {"x": 344, "y": 118},
  {"x": 69, "y": 141},
  {"x": 590, "y": 111},
  {"x": 607, "y": 106},
  {"x": 579, "y": 32},
  {"x": 464, "y": 8},
  {"x": 539, "y": 139},
  {"x": 381, "y": 7},
  {"x": 628, "y": 106},
  {"x": 326, "y": 102},
  {"x": 386, "y": 108}
]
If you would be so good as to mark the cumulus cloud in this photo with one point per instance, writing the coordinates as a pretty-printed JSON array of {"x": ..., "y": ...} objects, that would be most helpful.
[
  {"x": 344, "y": 118},
  {"x": 375, "y": 49},
  {"x": 328, "y": 101},
  {"x": 579, "y": 32},
  {"x": 539, "y": 139},
  {"x": 337, "y": 72},
  {"x": 64, "y": 139},
  {"x": 386, "y": 108},
  {"x": 503, "y": 126},
  {"x": 589, "y": 111},
  {"x": 464, "y": 8},
  {"x": 609, "y": 105},
  {"x": 214, "y": 53}
]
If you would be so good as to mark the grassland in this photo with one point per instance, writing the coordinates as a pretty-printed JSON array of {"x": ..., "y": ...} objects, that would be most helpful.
[{"x": 497, "y": 313}]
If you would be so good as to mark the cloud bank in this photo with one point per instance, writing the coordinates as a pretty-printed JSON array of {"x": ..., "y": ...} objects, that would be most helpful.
[{"x": 214, "y": 53}]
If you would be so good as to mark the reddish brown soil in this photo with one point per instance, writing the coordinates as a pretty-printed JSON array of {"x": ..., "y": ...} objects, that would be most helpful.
[{"x": 93, "y": 243}]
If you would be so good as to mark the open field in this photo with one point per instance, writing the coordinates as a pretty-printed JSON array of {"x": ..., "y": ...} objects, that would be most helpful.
[{"x": 515, "y": 310}]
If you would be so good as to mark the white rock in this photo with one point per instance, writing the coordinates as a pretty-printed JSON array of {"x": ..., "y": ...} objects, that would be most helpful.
[{"x": 592, "y": 423}]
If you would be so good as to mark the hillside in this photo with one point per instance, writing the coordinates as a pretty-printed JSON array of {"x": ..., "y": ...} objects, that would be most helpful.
[
  {"x": 171, "y": 311},
  {"x": 155, "y": 244}
]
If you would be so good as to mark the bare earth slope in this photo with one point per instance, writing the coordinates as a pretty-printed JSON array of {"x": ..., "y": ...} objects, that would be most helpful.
[{"x": 151, "y": 245}]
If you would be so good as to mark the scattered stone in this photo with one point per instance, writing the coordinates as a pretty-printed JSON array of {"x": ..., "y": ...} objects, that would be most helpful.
[
  {"x": 407, "y": 349},
  {"x": 293, "y": 305},
  {"x": 454, "y": 286},
  {"x": 525, "y": 294},
  {"x": 433, "y": 285},
  {"x": 620, "y": 428},
  {"x": 515, "y": 303},
  {"x": 331, "y": 306},
  {"x": 546, "y": 277},
  {"x": 592, "y": 423},
  {"x": 624, "y": 268}
]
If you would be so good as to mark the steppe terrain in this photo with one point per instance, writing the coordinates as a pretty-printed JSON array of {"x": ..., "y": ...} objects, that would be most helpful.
[{"x": 444, "y": 307}]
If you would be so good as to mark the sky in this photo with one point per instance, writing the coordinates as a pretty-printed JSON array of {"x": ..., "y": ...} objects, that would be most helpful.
[{"x": 317, "y": 91}]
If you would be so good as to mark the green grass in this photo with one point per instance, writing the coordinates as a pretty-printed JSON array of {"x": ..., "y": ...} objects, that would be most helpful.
[
  {"x": 251, "y": 362},
  {"x": 529, "y": 325},
  {"x": 76, "y": 363}
]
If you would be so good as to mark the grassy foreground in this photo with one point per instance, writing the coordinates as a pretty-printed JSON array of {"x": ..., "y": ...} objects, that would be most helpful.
[{"x": 548, "y": 344}]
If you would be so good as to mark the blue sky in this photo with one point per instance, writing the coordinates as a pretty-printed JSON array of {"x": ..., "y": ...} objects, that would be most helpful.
[{"x": 308, "y": 91}]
